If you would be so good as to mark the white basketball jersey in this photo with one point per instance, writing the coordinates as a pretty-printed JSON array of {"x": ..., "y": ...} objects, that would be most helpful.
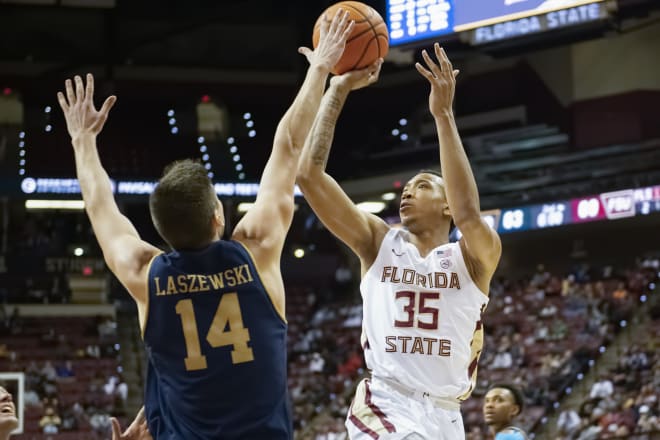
[{"x": 422, "y": 318}]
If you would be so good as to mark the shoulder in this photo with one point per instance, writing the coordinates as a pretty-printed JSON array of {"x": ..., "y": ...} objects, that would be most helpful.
[{"x": 511, "y": 433}]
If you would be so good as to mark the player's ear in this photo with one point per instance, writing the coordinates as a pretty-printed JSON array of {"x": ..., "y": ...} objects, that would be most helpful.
[
  {"x": 515, "y": 410},
  {"x": 445, "y": 209}
]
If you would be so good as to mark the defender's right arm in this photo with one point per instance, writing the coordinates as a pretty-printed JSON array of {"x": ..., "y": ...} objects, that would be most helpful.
[{"x": 360, "y": 231}]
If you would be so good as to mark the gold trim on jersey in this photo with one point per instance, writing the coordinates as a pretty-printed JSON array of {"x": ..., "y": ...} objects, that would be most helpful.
[
  {"x": 476, "y": 346},
  {"x": 145, "y": 318},
  {"x": 364, "y": 412},
  {"x": 278, "y": 309}
]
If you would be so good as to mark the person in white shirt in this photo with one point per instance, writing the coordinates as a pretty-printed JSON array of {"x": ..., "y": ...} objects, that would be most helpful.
[{"x": 423, "y": 296}]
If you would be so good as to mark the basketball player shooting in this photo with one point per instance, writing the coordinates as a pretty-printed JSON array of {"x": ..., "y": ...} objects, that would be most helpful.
[
  {"x": 213, "y": 324},
  {"x": 423, "y": 296}
]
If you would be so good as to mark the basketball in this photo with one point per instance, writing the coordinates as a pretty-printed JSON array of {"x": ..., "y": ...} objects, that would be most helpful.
[{"x": 368, "y": 40}]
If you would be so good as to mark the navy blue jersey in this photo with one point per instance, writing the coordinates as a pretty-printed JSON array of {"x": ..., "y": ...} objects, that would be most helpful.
[{"x": 216, "y": 347}]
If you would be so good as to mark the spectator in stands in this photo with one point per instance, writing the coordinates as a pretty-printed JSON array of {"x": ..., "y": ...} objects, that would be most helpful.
[
  {"x": 503, "y": 359},
  {"x": 647, "y": 422},
  {"x": 99, "y": 420},
  {"x": 48, "y": 371},
  {"x": 317, "y": 363},
  {"x": 602, "y": 388},
  {"x": 620, "y": 294},
  {"x": 502, "y": 404},
  {"x": 50, "y": 422},
  {"x": 8, "y": 419},
  {"x": 569, "y": 423},
  {"x": 65, "y": 370}
]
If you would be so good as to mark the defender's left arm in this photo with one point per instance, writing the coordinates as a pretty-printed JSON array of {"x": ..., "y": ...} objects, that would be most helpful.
[
  {"x": 480, "y": 242},
  {"x": 123, "y": 250}
]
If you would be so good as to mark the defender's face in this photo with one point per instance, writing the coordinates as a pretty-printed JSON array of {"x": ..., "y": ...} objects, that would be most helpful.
[
  {"x": 219, "y": 221},
  {"x": 422, "y": 196},
  {"x": 499, "y": 406},
  {"x": 8, "y": 420}
]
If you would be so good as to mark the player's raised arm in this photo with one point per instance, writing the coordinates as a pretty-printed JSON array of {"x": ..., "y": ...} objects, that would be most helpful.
[
  {"x": 269, "y": 219},
  {"x": 124, "y": 252},
  {"x": 481, "y": 242},
  {"x": 359, "y": 230}
]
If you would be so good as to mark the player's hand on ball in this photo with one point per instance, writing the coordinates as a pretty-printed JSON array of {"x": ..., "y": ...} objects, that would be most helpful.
[
  {"x": 357, "y": 79},
  {"x": 81, "y": 116},
  {"x": 332, "y": 41},
  {"x": 442, "y": 77}
]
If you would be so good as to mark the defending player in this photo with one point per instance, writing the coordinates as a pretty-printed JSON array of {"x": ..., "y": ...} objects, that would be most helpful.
[
  {"x": 8, "y": 419},
  {"x": 212, "y": 310}
]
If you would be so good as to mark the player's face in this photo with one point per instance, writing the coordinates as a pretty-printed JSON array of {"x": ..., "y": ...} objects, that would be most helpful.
[
  {"x": 219, "y": 221},
  {"x": 499, "y": 406},
  {"x": 8, "y": 420},
  {"x": 422, "y": 197}
]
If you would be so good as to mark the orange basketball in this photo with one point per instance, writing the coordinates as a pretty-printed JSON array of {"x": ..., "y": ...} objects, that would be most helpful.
[{"x": 368, "y": 40}]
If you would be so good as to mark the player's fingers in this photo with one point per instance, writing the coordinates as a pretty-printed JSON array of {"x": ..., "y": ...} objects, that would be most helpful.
[
  {"x": 69, "y": 92},
  {"x": 445, "y": 64},
  {"x": 80, "y": 90},
  {"x": 374, "y": 70},
  {"x": 334, "y": 24},
  {"x": 62, "y": 101},
  {"x": 425, "y": 73},
  {"x": 89, "y": 92},
  {"x": 341, "y": 26},
  {"x": 435, "y": 70},
  {"x": 348, "y": 30},
  {"x": 107, "y": 105},
  {"x": 325, "y": 25},
  {"x": 116, "y": 429},
  {"x": 456, "y": 72}
]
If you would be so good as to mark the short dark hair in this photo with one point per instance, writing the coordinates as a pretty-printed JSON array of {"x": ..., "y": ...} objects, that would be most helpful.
[
  {"x": 430, "y": 171},
  {"x": 515, "y": 392},
  {"x": 183, "y": 204}
]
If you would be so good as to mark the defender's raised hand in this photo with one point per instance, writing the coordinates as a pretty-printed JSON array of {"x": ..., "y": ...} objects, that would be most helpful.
[
  {"x": 332, "y": 41},
  {"x": 442, "y": 77},
  {"x": 81, "y": 116}
]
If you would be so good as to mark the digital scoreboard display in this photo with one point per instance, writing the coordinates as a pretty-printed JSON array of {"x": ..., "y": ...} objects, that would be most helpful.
[{"x": 490, "y": 20}]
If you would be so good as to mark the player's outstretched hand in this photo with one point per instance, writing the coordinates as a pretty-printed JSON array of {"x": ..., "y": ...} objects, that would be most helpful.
[
  {"x": 137, "y": 431},
  {"x": 81, "y": 116},
  {"x": 357, "y": 79},
  {"x": 332, "y": 41},
  {"x": 442, "y": 77}
]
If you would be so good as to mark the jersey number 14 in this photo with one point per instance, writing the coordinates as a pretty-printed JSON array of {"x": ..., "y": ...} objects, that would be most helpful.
[{"x": 227, "y": 316}]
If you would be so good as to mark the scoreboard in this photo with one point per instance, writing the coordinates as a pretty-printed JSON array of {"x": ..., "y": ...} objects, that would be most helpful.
[
  {"x": 488, "y": 20},
  {"x": 605, "y": 206}
]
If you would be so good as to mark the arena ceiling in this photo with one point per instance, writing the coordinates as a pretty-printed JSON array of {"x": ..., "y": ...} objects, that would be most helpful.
[{"x": 247, "y": 48}]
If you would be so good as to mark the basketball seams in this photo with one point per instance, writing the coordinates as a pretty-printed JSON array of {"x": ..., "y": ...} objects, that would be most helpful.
[{"x": 370, "y": 28}]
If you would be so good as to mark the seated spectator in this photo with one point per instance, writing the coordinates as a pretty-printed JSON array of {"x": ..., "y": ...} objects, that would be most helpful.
[
  {"x": 31, "y": 398},
  {"x": 48, "y": 371},
  {"x": 602, "y": 388},
  {"x": 569, "y": 423},
  {"x": 647, "y": 421},
  {"x": 65, "y": 370},
  {"x": 50, "y": 422}
]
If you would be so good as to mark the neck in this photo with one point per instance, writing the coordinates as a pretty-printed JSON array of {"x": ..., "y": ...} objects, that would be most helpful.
[
  {"x": 5, "y": 432},
  {"x": 498, "y": 427},
  {"x": 428, "y": 239}
]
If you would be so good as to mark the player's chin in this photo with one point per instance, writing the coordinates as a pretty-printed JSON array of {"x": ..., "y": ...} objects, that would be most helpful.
[{"x": 8, "y": 422}]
